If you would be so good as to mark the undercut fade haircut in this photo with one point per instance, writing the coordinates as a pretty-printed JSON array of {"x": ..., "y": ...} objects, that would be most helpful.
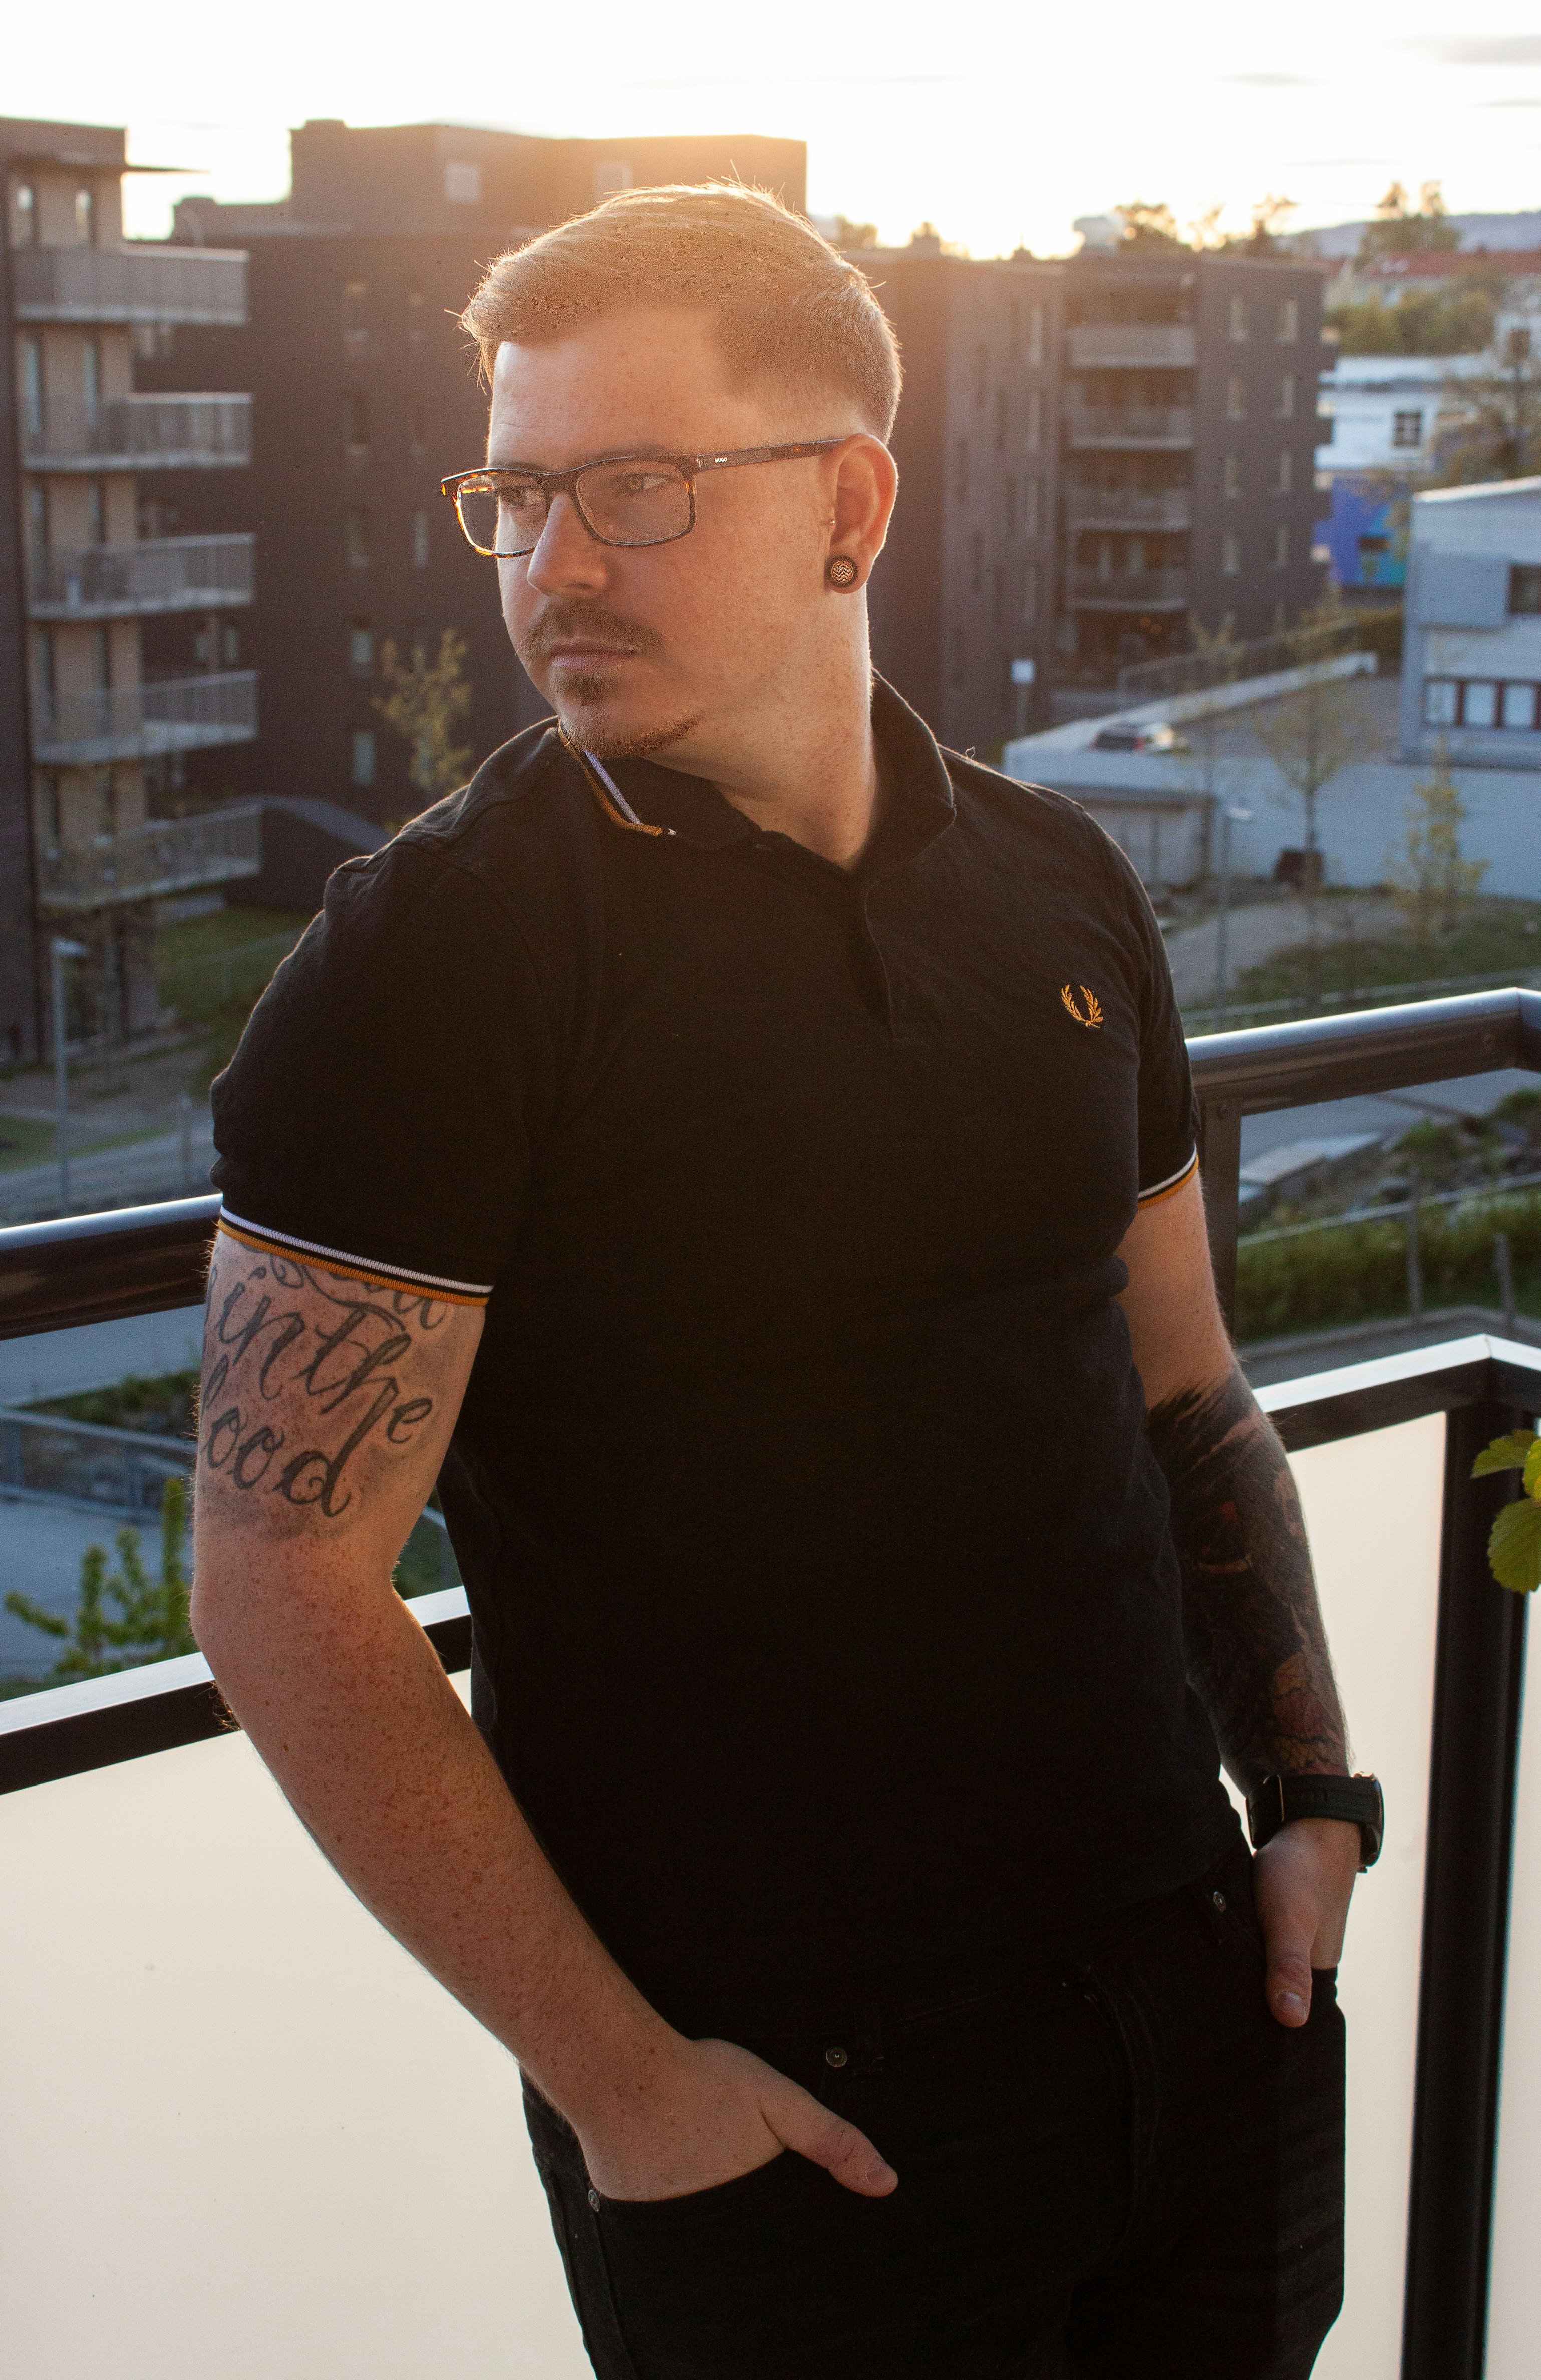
[{"x": 787, "y": 308}]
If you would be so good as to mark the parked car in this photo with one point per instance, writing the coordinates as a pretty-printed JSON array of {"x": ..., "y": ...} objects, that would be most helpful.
[{"x": 1154, "y": 736}]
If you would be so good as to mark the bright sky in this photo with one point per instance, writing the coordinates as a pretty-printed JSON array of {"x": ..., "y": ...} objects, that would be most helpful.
[{"x": 1000, "y": 123}]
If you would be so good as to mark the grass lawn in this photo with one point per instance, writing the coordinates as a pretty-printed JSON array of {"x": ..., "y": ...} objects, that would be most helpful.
[
  {"x": 1494, "y": 937},
  {"x": 223, "y": 929}
]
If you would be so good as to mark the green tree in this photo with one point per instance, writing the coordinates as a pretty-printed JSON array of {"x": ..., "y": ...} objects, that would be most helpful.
[
  {"x": 1148, "y": 227},
  {"x": 1401, "y": 229},
  {"x": 1493, "y": 419},
  {"x": 1432, "y": 881},
  {"x": 151, "y": 1623},
  {"x": 1422, "y": 322},
  {"x": 426, "y": 703}
]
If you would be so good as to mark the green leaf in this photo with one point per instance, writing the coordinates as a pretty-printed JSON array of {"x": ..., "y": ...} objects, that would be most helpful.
[
  {"x": 1533, "y": 1471},
  {"x": 1514, "y": 1547},
  {"x": 1510, "y": 1453}
]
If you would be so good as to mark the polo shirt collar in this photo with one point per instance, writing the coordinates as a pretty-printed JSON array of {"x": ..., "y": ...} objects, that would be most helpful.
[{"x": 918, "y": 803}]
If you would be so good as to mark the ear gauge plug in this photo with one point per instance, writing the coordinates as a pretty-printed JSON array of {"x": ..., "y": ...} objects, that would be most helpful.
[{"x": 842, "y": 572}]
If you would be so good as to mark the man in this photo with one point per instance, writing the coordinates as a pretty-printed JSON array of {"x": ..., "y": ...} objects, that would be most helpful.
[{"x": 746, "y": 1157}]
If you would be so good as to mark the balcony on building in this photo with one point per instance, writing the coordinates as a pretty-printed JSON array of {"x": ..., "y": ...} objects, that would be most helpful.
[
  {"x": 1127, "y": 590},
  {"x": 167, "y": 573},
  {"x": 155, "y": 861},
  {"x": 135, "y": 284},
  {"x": 136, "y": 434},
  {"x": 1114, "y": 426},
  {"x": 1131, "y": 507},
  {"x": 1132, "y": 346},
  {"x": 139, "y": 723}
]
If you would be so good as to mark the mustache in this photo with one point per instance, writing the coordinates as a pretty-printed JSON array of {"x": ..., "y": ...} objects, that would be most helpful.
[{"x": 563, "y": 618}]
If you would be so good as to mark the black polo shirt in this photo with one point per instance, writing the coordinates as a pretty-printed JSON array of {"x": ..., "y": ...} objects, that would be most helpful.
[{"x": 824, "y": 1600}]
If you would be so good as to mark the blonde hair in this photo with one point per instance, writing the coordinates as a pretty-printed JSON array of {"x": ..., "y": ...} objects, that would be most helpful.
[{"x": 786, "y": 307}]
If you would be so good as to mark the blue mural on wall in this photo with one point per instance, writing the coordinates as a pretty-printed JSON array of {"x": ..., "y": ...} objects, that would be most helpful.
[{"x": 1367, "y": 530}]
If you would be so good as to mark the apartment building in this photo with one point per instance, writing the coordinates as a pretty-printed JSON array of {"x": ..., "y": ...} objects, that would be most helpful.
[
  {"x": 1190, "y": 420},
  {"x": 1471, "y": 684},
  {"x": 101, "y": 738},
  {"x": 366, "y": 394},
  {"x": 962, "y": 600}
]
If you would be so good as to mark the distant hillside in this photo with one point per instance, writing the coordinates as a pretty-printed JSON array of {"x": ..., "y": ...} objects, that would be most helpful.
[{"x": 1476, "y": 231}]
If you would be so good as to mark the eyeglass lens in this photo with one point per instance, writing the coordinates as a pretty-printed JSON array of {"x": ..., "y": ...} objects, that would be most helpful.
[{"x": 625, "y": 504}]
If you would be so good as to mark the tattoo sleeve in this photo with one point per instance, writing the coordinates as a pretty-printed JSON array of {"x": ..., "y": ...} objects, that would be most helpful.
[
  {"x": 1257, "y": 1652},
  {"x": 318, "y": 1390}
]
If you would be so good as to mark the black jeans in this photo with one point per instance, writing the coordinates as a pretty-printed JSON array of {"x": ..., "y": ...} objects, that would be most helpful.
[{"x": 1111, "y": 2163}]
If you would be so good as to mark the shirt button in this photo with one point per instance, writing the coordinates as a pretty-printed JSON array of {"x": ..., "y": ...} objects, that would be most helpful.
[
  {"x": 594, "y": 2200},
  {"x": 1218, "y": 1900},
  {"x": 837, "y": 2057}
]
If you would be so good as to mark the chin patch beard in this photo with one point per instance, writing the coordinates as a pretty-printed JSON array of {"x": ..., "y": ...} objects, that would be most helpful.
[{"x": 620, "y": 742}]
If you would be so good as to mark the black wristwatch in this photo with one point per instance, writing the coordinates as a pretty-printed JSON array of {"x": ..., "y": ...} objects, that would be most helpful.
[{"x": 1356, "y": 1799}]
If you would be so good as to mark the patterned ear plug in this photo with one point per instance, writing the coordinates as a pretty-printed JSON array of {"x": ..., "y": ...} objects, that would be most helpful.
[{"x": 841, "y": 571}]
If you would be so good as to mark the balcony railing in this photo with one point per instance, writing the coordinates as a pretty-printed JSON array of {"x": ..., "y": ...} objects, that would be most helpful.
[
  {"x": 144, "y": 1891},
  {"x": 1129, "y": 425},
  {"x": 136, "y": 434},
  {"x": 1127, "y": 590},
  {"x": 1130, "y": 346},
  {"x": 130, "y": 285},
  {"x": 150, "y": 862},
  {"x": 133, "y": 723},
  {"x": 167, "y": 573},
  {"x": 1131, "y": 507}
]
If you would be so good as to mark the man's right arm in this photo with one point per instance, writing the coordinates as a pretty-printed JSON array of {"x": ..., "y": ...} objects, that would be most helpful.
[{"x": 327, "y": 1406}]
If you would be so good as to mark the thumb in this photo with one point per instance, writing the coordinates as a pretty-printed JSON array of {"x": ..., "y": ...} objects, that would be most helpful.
[
  {"x": 1288, "y": 1983},
  {"x": 801, "y": 2124}
]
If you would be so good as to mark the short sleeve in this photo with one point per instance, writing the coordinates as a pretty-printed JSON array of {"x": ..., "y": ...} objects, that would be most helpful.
[
  {"x": 380, "y": 1113},
  {"x": 1167, "y": 1112}
]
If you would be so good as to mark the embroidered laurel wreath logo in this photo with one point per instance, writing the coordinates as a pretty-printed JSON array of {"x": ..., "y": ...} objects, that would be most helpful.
[{"x": 1093, "y": 1012}]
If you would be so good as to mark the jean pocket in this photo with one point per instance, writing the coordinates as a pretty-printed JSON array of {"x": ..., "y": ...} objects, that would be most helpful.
[{"x": 740, "y": 2195}]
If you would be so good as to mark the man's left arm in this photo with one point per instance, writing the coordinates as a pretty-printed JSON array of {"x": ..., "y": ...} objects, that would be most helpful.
[{"x": 1257, "y": 1650}]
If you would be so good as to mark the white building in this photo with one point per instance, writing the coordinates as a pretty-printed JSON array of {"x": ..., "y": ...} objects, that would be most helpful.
[
  {"x": 1472, "y": 653},
  {"x": 1381, "y": 413}
]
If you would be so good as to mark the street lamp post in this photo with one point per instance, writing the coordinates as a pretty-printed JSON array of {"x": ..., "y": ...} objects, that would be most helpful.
[
  {"x": 62, "y": 950},
  {"x": 1232, "y": 814}
]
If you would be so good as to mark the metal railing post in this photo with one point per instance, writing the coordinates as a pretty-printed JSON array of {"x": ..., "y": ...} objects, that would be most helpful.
[{"x": 1479, "y": 1668}]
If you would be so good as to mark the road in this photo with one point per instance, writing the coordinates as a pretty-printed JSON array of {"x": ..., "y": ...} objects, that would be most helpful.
[{"x": 156, "y": 1167}]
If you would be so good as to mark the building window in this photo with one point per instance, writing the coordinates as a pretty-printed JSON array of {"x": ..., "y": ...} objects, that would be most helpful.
[
  {"x": 1231, "y": 553},
  {"x": 419, "y": 540},
  {"x": 38, "y": 537},
  {"x": 361, "y": 755},
  {"x": 1029, "y": 593},
  {"x": 976, "y": 563},
  {"x": 1524, "y": 587},
  {"x": 355, "y": 293},
  {"x": 462, "y": 184},
  {"x": 1014, "y": 334},
  {"x": 1287, "y": 397},
  {"x": 360, "y": 649},
  {"x": 102, "y": 657},
  {"x": 1235, "y": 398},
  {"x": 1034, "y": 335},
  {"x": 1001, "y": 416},
  {"x": 91, "y": 376},
  {"x": 959, "y": 473},
  {"x": 981, "y": 372},
  {"x": 31, "y": 386},
  {"x": 85, "y": 217},
  {"x": 24, "y": 216},
  {"x": 997, "y": 593},
  {"x": 1282, "y": 472},
  {"x": 1442, "y": 701},
  {"x": 1407, "y": 428},
  {"x": 1034, "y": 420},
  {"x": 1238, "y": 318},
  {"x": 1519, "y": 705},
  {"x": 1232, "y": 475},
  {"x": 229, "y": 644},
  {"x": 356, "y": 537},
  {"x": 96, "y": 513},
  {"x": 355, "y": 424},
  {"x": 610, "y": 177},
  {"x": 1034, "y": 522},
  {"x": 53, "y": 820},
  {"x": 414, "y": 316},
  {"x": 1479, "y": 702},
  {"x": 1014, "y": 508},
  {"x": 1281, "y": 549},
  {"x": 417, "y": 427},
  {"x": 1286, "y": 329}
]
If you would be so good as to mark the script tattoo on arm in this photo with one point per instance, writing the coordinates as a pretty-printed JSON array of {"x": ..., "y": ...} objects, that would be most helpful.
[
  {"x": 1256, "y": 1651},
  {"x": 311, "y": 1380}
]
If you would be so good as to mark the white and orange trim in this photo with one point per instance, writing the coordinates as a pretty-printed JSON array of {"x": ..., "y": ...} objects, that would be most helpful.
[
  {"x": 1173, "y": 1181},
  {"x": 608, "y": 793},
  {"x": 355, "y": 1267}
]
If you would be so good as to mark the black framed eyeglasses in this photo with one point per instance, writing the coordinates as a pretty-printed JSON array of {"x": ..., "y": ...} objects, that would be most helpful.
[{"x": 621, "y": 500}]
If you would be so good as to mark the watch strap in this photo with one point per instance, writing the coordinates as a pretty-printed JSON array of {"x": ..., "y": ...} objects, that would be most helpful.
[{"x": 1356, "y": 1800}]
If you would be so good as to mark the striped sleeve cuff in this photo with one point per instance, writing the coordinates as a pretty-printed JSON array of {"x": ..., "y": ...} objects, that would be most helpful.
[
  {"x": 1173, "y": 1181},
  {"x": 355, "y": 1267}
]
